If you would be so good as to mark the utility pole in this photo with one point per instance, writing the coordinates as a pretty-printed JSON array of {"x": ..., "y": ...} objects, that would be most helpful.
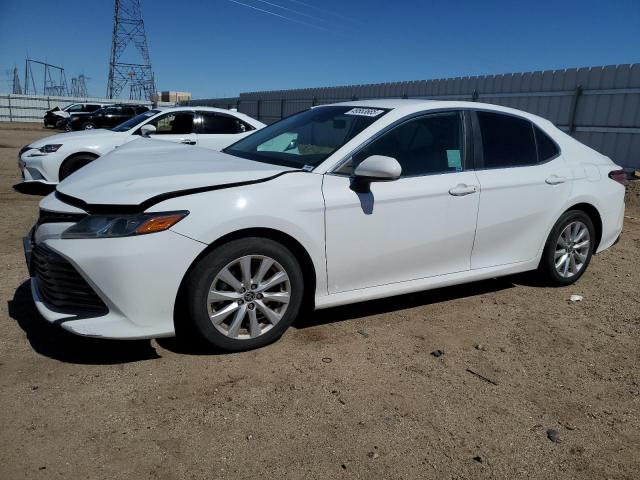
[{"x": 128, "y": 29}]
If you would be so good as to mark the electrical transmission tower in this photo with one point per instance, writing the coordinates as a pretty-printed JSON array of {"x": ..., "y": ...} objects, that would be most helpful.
[
  {"x": 79, "y": 86},
  {"x": 50, "y": 85},
  {"x": 16, "y": 87},
  {"x": 128, "y": 28}
]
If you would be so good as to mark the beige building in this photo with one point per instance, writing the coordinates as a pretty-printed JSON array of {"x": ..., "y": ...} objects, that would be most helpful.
[{"x": 173, "y": 97}]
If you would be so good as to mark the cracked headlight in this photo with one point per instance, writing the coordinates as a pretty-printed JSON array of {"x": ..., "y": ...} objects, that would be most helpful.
[{"x": 113, "y": 226}]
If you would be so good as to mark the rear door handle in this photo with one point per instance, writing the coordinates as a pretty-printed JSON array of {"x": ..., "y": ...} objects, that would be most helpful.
[
  {"x": 555, "y": 180},
  {"x": 463, "y": 189},
  {"x": 188, "y": 141}
]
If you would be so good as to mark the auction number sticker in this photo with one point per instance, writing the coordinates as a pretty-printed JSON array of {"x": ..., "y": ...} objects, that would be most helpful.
[{"x": 364, "y": 112}]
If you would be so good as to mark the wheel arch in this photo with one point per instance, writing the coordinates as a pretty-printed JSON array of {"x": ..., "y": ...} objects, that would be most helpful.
[
  {"x": 593, "y": 213},
  {"x": 72, "y": 157},
  {"x": 298, "y": 250}
]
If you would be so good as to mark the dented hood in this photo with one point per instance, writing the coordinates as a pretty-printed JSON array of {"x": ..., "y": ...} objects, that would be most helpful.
[{"x": 145, "y": 168}]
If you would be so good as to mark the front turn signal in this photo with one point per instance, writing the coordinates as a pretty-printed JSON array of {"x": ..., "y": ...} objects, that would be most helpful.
[{"x": 159, "y": 223}]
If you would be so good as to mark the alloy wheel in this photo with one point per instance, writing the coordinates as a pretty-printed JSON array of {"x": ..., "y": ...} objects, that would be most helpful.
[
  {"x": 248, "y": 297},
  {"x": 572, "y": 249}
]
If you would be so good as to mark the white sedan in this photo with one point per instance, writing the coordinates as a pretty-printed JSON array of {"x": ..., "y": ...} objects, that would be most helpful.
[
  {"x": 338, "y": 204},
  {"x": 54, "y": 158}
]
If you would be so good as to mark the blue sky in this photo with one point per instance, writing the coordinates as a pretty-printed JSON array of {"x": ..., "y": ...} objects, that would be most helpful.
[{"x": 217, "y": 48}]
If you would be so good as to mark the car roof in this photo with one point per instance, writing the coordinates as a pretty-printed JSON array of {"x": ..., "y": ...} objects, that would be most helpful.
[
  {"x": 391, "y": 103},
  {"x": 194, "y": 108},
  {"x": 411, "y": 105}
]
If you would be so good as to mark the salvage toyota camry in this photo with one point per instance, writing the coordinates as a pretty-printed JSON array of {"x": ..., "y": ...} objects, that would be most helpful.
[{"x": 338, "y": 204}]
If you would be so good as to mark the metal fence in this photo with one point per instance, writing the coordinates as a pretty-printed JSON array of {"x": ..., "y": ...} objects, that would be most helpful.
[
  {"x": 599, "y": 106},
  {"x": 31, "y": 108}
]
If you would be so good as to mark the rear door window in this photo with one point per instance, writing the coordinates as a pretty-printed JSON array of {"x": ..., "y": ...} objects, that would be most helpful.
[
  {"x": 214, "y": 123},
  {"x": 507, "y": 141}
]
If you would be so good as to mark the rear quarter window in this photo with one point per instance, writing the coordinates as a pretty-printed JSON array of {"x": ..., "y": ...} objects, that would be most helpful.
[{"x": 547, "y": 148}]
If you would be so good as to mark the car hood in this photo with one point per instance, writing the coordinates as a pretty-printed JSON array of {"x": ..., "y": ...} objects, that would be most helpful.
[
  {"x": 145, "y": 168},
  {"x": 84, "y": 136}
]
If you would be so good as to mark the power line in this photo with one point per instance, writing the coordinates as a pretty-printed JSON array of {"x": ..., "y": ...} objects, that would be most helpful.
[
  {"x": 297, "y": 12},
  {"x": 330, "y": 12},
  {"x": 269, "y": 12}
]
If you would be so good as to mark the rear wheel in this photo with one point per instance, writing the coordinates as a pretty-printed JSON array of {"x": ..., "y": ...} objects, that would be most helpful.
[
  {"x": 75, "y": 163},
  {"x": 244, "y": 294},
  {"x": 569, "y": 248},
  {"x": 88, "y": 126}
]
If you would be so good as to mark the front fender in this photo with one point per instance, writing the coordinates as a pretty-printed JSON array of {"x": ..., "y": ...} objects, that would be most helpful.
[{"x": 291, "y": 204}]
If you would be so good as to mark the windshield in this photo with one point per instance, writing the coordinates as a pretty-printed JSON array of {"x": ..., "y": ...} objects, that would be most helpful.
[
  {"x": 132, "y": 122},
  {"x": 307, "y": 138}
]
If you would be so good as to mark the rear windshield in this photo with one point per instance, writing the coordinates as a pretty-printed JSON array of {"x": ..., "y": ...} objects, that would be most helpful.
[{"x": 307, "y": 138}]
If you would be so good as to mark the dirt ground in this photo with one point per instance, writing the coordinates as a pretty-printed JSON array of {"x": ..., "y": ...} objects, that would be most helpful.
[{"x": 351, "y": 392}]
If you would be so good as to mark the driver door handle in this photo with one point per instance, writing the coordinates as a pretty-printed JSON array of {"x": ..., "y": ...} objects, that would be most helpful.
[
  {"x": 463, "y": 189},
  {"x": 188, "y": 141},
  {"x": 555, "y": 180}
]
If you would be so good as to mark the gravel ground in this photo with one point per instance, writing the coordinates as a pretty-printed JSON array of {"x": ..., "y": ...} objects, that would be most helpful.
[{"x": 352, "y": 392}]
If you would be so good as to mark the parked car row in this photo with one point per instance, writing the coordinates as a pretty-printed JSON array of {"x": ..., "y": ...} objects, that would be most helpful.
[
  {"x": 88, "y": 116},
  {"x": 56, "y": 117},
  {"x": 337, "y": 204}
]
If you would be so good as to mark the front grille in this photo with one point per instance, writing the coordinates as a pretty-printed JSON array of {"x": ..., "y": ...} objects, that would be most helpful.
[
  {"x": 47, "y": 216},
  {"x": 62, "y": 287}
]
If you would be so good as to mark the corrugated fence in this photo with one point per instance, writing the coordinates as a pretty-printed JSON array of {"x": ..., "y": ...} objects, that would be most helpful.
[
  {"x": 599, "y": 106},
  {"x": 31, "y": 108}
]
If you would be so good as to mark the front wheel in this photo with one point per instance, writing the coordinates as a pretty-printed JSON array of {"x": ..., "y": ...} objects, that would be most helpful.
[
  {"x": 244, "y": 294},
  {"x": 73, "y": 164},
  {"x": 569, "y": 248},
  {"x": 88, "y": 126}
]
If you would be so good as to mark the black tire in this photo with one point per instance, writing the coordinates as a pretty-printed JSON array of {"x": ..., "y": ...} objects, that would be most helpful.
[
  {"x": 547, "y": 267},
  {"x": 198, "y": 282},
  {"x": 88, "y": 126},
  {"x": 75, "y": 163}
]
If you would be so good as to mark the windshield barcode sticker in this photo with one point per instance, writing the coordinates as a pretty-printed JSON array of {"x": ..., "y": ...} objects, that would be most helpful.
[{"x": 364, "y": 112}]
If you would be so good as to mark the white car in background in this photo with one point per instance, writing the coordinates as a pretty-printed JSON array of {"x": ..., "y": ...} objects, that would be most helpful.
[
  {"x": 338, "y": 204},
  {"x": 54, "y": 158}
]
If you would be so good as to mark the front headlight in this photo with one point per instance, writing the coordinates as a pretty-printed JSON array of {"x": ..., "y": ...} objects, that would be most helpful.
[
  {"x": 53, "y": 147},
  {"x": 113, "y": 226}
]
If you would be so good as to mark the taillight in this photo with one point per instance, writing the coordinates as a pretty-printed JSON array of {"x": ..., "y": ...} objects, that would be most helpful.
[{"x": 619, "y": 176}]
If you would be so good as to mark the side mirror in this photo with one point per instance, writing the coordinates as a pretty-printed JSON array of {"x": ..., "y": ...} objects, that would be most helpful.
[
  {"x": 376, "y": 168},
  {"x": 147, "y": 130},
  {"x": 379, "y": 167}
]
